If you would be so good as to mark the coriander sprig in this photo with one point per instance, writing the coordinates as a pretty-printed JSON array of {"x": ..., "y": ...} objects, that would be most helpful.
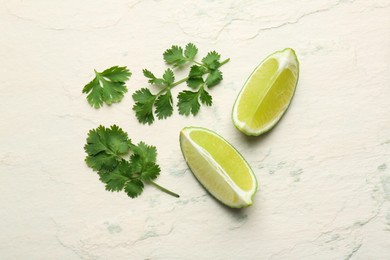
[
  {"x": 120, "y": 164},
  {"x": 107, "y": 86},
  {"x": 202, "y": 76}
]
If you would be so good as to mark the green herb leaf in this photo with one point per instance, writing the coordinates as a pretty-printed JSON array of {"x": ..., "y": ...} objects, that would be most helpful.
[
  {"x": 152, "y": 79},
  {"x": 107, "y": 86},
  {"x": 134, "y": 188},
  {"x": 188, "y": 103},
  {"x": 143, "y": 107},
  {"x": 168, "y": 77},
  {"x": 197, "y": 71},
  {"x": 214, "y": 77},
  {"x": 211, "y": 60},
  {"x": 195, "y": 83},
  {"x": 164, "y": 105},
  {"x": 174, "y": 56},
  {"x": 190, "y": 51},
  {"x": 205, "y": 97}
]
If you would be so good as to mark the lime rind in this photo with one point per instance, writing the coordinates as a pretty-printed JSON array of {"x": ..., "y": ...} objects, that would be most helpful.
[
  {"x": 245, "y": 198},
  {"x": 286, "y": 59}
]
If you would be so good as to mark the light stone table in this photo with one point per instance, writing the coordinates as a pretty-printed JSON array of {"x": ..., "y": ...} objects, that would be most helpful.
[{"x": 323, "y": 171}]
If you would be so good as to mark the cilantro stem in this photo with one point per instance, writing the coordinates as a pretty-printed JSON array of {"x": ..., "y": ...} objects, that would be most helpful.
[
  {"x": 164, "y": 189},
  {"x": 167, "y": 88},
  {"x": 179, "y": 82},
  {"x": 224, "y": 62}
]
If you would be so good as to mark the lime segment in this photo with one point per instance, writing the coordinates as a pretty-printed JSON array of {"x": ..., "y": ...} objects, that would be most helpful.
[
  {"x": 267, "y": 93},
  {"x": 218, "y": 166}
]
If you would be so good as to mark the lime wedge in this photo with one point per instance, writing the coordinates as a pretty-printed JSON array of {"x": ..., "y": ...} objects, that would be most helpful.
[
  {"x": 218, "y": 166},
  {"x": 267, "y": 93}
]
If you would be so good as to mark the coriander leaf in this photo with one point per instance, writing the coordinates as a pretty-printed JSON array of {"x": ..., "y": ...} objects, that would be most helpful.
[
  {"x": 148, "y": 74},
  {"x": 168, "y": 77},
  {"x": 143, "y": 106},
  {"x": 211, "y": 60},
  {"x": 134, "y": 188},
  {"x": 114, "y": 181},
  {"x": 152, "y": 79},
  {"x": 107, "y": 86},
  {"x": 136, "y": 164},
  {"x": 94, "y": 97},
  {"x": 197, "y": 71},
  {"x": 101, "y": 162},
  {"x": 188, "y": 102},
  {"x": 164, "y": 107},
  {"x": 150, "y": 171},
  {"x": 190, "y": 51},
  {"x": 205, "y": 97},
  {"x": 195, "y": 83},
  {"x": 214, "y": 77},
  {"x": 109, "y": 140},
  {"x": 195, "y": 79},
  {"x": 143, "y": 160},
  {"x": 174, "y": 56},
  {"x": 113, "y": 92},
  {"x": 148, "y": 153},
  {"x": 117, "y": 74},
  {"x": 104, "y": 147}
]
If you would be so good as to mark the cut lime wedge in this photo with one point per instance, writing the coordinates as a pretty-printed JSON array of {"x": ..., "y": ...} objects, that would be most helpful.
[
  {"x": 218, "y": 166},
  {"x": 267, "y": 93}
]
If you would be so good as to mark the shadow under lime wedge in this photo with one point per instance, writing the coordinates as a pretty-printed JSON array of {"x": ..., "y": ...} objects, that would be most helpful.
[
  {"x": 218, "y": 166},
  {"x": 267, "y": 93}
]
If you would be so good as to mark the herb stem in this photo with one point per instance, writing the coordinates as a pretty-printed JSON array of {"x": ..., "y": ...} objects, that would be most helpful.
[
  {"x": 164, "y": 189},
  {"x": 198, "y": 63},
  {"x": 224, "y": 62},
  {"x": 167, "y": 88},
  {"x": 179, "y": 82}
]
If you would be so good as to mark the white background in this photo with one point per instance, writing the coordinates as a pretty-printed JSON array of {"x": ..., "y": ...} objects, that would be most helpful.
[{"x": 323, "y": 171}]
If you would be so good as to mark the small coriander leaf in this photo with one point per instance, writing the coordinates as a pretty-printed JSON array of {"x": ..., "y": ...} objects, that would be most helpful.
[
  {"x": 148, "y": 153},
  {"x": 195, "y": 83},
  {"x": 211, "y": 60},
  {"x": 188, "y": 103},
  {"x": 152, "y": 79},
  {"x": 112, "y": 141},
  {"x": 148, "y": 74},
  {"x": 101, "y": 162},
  {"x": 195, "y": 76},
  {"x": 164, "y": 105},
  {"x": 95, "y": 96},
  {"x": 105, "y": 146},
  {"x": 214, "y": 77},
  {"x": 197, "y": 71},
  {"x": 190, "y": 51},
  {"x": 113, "y": 181},
  {"x": 168, "y": 77},
  {"x": 143, "y": 106},
  {"x": 174, "y": 56},
  {"x": 205, "y": 97},
  {"x": 134, "y": 188},
  {"x": 107, "y": 86},
  {"x": 117, "y": 74},
  {"x": 150, "y": 171}
]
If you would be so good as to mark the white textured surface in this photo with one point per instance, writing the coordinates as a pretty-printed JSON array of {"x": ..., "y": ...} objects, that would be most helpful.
[{"x": 324, "y": 171}]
